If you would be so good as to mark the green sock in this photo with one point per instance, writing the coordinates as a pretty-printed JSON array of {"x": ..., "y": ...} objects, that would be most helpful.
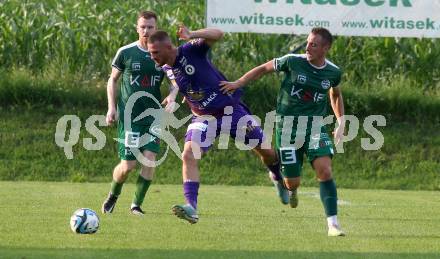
[
  {"x": 329, "y": 197},
  {"x": 116, "y": 188},
  {"x": 142, "y": 186}
]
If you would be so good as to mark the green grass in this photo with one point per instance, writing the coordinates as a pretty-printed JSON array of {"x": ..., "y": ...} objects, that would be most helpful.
[{"x": 235, "y": 221}]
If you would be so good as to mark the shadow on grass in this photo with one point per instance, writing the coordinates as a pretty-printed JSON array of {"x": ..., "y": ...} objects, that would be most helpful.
[{"x": 7, "y": 252}]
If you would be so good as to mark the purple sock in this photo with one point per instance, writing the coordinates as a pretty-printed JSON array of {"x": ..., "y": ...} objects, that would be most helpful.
[
  {"x": 275, "y": 169},
  {"x": 191, "y": 191}
]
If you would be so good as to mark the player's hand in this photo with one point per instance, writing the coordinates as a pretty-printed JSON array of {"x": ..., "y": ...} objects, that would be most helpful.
[
  {"x": 110, "y": 118},
  {"x": 229, "y": 87},
  {"x": 170, "y": 104},
  {"x": 183, "y": 32},
  {"x": 339, "y": 131}
]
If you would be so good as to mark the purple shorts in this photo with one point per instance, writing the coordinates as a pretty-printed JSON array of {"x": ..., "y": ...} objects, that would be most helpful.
[{"x": 235, "y": 122}]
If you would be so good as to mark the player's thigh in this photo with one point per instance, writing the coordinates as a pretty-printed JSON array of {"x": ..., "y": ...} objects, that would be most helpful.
[
  {"x": 192, "y": 151},
  {"x": 127, "y": 165},
  {"x": 320, "y": 152},
  {"x": 322, "y": 167},
  {"x": 268, "y": 155}
]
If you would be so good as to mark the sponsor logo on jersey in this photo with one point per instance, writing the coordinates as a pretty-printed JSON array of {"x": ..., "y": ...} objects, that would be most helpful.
[
  {"x": 135, "y": 80},
  {"x": 209, "y": 99},
  {"x": 136, "y": 66},
  {"x": 190, "y": 69},
  {"x": 302, "y": 79},
  {"x": 195, "y": 95},
  {"x": 145, "y": 82},
  {"x": 325, "y": 84},
  {"x": 306, "y": 96}
]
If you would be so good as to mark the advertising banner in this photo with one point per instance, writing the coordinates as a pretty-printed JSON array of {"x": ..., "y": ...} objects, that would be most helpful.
[{"x": 381, "y": 18}]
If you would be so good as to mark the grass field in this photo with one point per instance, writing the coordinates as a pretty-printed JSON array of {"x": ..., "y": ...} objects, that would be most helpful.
[{"x": 235, "y": 222}]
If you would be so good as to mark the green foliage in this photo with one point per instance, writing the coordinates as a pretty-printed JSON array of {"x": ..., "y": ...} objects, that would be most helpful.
[
  {"x": 83, "y": 36},
  {"x": 235, "y": 222},
  {"x": 366, "y": 59},
  {"x": 19, "y": 87}
]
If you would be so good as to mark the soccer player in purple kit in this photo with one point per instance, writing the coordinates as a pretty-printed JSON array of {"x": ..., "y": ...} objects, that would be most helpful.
[{"x": 196, "y": 78}]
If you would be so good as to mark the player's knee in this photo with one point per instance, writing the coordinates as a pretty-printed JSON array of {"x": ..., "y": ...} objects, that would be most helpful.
[
  {"x": 150, "y": 156},
  {"x": 188, "y": 156},
  {"x": 268, "y": 156},
  {"x": 292, "y": 183},
  {"x": 269, "y": 159},
  {"x": 126, "y": 166},
  {"x": 147, "y": 172},
  {"x": 324, "y": 173}
]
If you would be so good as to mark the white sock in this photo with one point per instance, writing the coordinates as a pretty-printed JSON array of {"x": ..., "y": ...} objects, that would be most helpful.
[
  {"x": 133, "y": 205},
  {"x": 332, "y": 221}
]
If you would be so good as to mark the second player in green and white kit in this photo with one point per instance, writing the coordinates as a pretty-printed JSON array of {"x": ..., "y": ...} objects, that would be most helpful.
[
  {"x": 309, "y": 83},
  {"x": 304, "y": 92},
  {"x": 139, "y": 76}
]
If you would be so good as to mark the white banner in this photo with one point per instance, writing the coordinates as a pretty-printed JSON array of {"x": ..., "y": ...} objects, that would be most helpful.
[{"x": 396, "y": 18}]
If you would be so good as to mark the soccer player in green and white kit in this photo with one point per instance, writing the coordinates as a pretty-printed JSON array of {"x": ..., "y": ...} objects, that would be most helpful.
[
  {"x": 310, "y": 80},
  {"x": 139, "y": 73}
]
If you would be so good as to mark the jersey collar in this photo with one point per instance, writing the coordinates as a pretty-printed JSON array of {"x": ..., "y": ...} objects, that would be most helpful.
[
  {"x": 140, "y": 47},
  {"x": 321, "y": 67}
]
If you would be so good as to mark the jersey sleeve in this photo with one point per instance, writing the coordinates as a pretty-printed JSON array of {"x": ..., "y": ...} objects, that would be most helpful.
[
  {"x": 197, "y": 46},
  {"x": 169, "y": 72},
  {"x": 282, "y": 63},
  {"x": 118, "y": 61}
]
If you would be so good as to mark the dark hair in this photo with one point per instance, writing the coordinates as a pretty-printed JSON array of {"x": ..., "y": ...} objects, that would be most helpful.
[
  {"x": 158, "y": 36},
  {"x": 324, "y": 33},
  {"x": 147, "y": 15}
]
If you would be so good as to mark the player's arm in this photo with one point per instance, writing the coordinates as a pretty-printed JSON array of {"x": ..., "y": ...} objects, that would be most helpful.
[
  {"x": 170, "y": 100},
  {"x": 337, "y": 103},
  {"x": 253, "y": 74},
  {"x": 211, "y": 35},
  {"x": 111, "y": 96}
]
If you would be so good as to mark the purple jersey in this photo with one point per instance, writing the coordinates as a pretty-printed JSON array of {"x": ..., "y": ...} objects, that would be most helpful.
[{"x": 198, "y": 79}]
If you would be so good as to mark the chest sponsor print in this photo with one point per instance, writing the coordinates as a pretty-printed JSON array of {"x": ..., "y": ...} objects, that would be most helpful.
[{"x": 325, "y": 84}]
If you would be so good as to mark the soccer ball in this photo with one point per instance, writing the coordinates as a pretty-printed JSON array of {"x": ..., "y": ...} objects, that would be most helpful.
[{"x": 84, "y": 221}]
